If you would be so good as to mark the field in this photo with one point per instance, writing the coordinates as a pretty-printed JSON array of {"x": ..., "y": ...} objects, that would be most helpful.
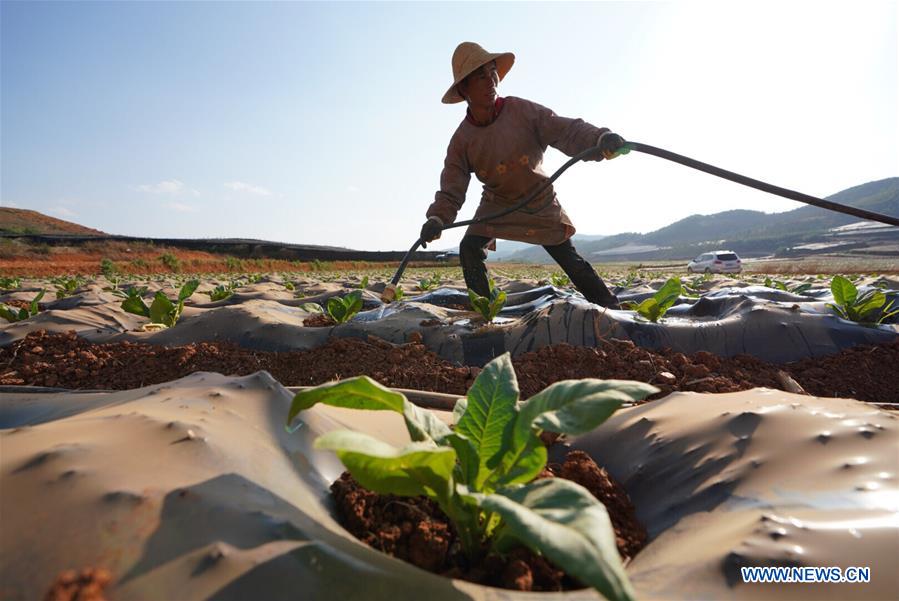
[{"x": 759, "y": 385}]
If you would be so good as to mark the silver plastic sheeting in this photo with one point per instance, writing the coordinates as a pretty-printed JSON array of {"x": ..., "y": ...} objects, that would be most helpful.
[
  {"x": 772, "y": 325},
  {"x": 193, "y": 489}
]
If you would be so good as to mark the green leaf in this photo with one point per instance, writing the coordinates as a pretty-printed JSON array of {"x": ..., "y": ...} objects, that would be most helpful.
[
  {"x": 467, "y": 454},
  {"x": 649, "y": 309},
  {"x": 136, "y": 305},
  {"x": 32, "y": 306},
  {"x": 312, "y": 308},
  {"x": 521, "y": 465},
  {"x": 9, "y": 315},
  {"x": 161, "y": 309},
  {"x": 575, "y": 407},
  {"x": 844, "y": 291},
  {"x": 424, "y": 425},
  {"x": 188, "y": 289},
  {"x": 416, "y": 469},
  {"x": 571, "y": 407},
  {"x": 336, "y": 309},
  {"x": 353, "y": 302},
  {"x": 801, "y": 288},
  {"x": 360, "y": 392},
  {"x": 838, "y": 310},
  {"x": 491, "y": 409},
  {"x": 459, "y": 409},
  {"x": 565, "y": 523},
  {"x": 496, "y": 305},
  {"x": 869, "y": 302}
]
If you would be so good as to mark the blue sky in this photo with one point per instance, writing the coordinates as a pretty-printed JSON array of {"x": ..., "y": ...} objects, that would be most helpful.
[{"x": 321, "y": 123}]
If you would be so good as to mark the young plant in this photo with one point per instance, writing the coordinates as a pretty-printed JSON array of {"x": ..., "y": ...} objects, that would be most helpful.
[
  {"x": 860, "y": 309},
  {"x": 162, "y": 311},
  {"x": 11, "y": 315},
  {"x": 341, "y": 309},
  {"x": 364, "y": 283},
  {"x": 9, "y": 283},
  {"x": 66, "y": 286},
  {"x": 221, "y": 292},
  {"x": 481, "y": 473},
  {"x": 132, "y": 292},
  {"x": 488, "y": 307},
  {"x": 778, "y": 285},
  {"x": 655, "y": 307},
  {"x": 559, "y": 280}
]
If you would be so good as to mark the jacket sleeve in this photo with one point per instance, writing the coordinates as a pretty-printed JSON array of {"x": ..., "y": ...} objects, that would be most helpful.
[
  {"x": 570, "y": 136},
  {"x": 454, "y": 181}
]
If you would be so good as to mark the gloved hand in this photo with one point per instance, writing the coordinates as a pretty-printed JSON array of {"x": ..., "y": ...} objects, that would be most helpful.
[
  {"x": 610, "y": 144},
  {"x": 430, "y": 231}
]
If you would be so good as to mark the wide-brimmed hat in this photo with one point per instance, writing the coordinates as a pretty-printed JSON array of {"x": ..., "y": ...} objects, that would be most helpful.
[{"x": 468, "y": 58}]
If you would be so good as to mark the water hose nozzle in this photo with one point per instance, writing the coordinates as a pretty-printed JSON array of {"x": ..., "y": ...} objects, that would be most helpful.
[{"x": 389, "y": 294}]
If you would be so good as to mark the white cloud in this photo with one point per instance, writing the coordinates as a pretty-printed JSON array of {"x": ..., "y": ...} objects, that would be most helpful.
[
  {"x": 9, "y": 205},
  {"x": 352, "y": 189},
  {"x": 248, "y": 188},
  {"x": 62, "y": 212},
  {"x": 182, "y": 208},
  {"x": 169, "y": 186}
]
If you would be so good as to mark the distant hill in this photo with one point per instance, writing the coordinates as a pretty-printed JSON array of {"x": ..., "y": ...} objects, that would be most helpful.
[
  {"x": 26, "y": 221},
  {"x": 752, "y": 233}
]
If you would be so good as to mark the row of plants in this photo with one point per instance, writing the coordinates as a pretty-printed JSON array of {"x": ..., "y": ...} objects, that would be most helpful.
[{"x": 871, "y": 307}]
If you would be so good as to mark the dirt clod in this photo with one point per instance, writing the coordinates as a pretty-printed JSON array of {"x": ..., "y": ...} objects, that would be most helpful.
[{"x": 86, "y": 585}]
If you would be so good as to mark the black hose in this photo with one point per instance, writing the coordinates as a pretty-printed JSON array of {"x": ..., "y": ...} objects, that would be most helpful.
[
  {"x": 671, "y": 156},
  {"x": 758, "y": 185}
]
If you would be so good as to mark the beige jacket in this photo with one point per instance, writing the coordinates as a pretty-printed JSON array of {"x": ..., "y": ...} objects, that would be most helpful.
[{"x": 506, "y": 156}]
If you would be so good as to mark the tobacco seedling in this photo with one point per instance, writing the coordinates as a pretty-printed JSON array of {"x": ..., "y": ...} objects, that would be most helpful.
[
  {"x": 132, "y": 292},
  {"x": 655, "y": 307},
  {"x": 778, "y": 285},
  {"x": 221, "y": 292},
  {"x": 488, "y": 307},
  {"x": 364, "y": 283},
  {"x": 66, "y": 286},
  {"x": 481, "y": 473},
  {"x": 559, "y": 280},
  {"x": 342, "y": 309},
  {"x": 860, "y": 309},
  {"x": 162, "y": 311},
  {"x": 10, "y": 283},
  {"x": 11, "y": 315}
]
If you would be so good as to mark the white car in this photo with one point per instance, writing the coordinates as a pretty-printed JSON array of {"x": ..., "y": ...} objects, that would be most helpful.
[{"x": 720, "y": 261}]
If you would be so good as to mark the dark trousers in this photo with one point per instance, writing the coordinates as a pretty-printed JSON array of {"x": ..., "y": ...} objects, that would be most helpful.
[{"x": 472, "y": 254}]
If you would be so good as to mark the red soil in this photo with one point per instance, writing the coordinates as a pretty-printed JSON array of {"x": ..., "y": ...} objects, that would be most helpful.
[{"x": 68, "y": 361}]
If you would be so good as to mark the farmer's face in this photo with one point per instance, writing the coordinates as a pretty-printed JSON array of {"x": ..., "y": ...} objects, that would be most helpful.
[{"x": 479, "y": 88}]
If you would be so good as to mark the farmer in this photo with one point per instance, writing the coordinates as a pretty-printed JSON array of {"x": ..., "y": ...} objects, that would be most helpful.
[{"x": 502, "y": 141}]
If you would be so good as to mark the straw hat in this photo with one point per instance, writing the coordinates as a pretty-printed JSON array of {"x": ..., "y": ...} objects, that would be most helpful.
[{"x": 467, "y": 59}]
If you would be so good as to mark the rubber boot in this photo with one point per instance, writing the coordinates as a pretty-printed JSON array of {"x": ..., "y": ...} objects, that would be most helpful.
[{"x": 472, "y": 255}]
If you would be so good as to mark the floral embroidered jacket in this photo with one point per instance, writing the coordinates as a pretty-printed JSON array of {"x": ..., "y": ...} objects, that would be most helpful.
[{"x": 506, "y": 156}]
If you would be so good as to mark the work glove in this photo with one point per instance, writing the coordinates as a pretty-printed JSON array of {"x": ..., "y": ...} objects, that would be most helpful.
[
  {"x": 611, "y": 145},
  {"x": 430, "y": 231}
]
